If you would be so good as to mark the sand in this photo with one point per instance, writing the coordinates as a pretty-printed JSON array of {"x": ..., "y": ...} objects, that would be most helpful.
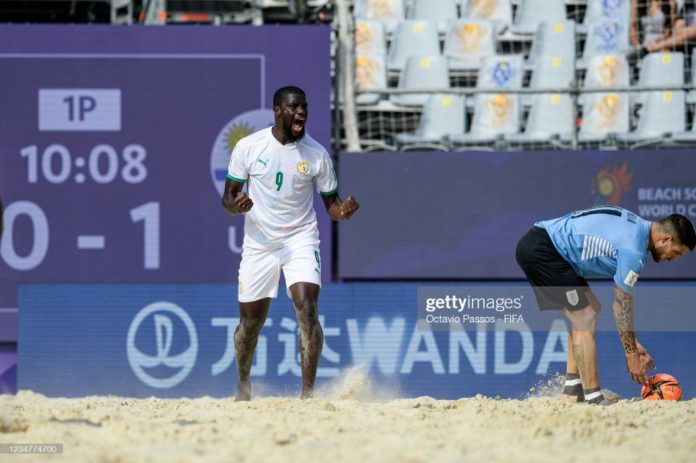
[{"x": 351, "y": 423}]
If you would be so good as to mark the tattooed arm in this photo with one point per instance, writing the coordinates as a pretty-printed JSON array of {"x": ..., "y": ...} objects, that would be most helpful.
[{"x": 623, "y": 314}]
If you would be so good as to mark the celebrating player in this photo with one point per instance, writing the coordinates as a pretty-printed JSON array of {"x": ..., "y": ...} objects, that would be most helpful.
[
  {"x": 557, "y": 254},
  {"x": 280, "y": 164}
]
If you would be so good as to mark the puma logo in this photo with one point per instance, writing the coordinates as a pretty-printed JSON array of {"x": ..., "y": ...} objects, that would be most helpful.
[{"x": 265, "y": 163}]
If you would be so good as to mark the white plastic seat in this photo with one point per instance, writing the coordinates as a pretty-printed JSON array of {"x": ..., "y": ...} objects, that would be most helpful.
[
  {"x": 370, "y": 73},
  {"x": 553, "y": 39},
  {"x": 422, "y": 72},
  {"x": 442, "y": 116},
  {"x": 600, "y": 10},
  {"x": 660, "y": 69},
  {"x": 467, "y": 41},
  {"x": 495, "y": 114},
  {"x": 605, "y": 71},
  {"x": 530, "y": 13},
  {"x": 498, "y": 11},
  {"x": 369, "y": 37},
  {"x": 412, "y": 38},
  {"x": 553, "y": 71},
  {"x": 388, "y": 12},
  {"x": 604, "y": 114},
  {"x": 438, "y": 11},
  {"x": 550, "y": 116},
  {"x": 607, "y": 26},
  {"x": 663, "y": 114}
]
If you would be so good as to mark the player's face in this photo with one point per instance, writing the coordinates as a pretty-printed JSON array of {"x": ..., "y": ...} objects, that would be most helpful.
[
  {"x": 293, "y": 116},
  {"x": 668, "y": 249}
]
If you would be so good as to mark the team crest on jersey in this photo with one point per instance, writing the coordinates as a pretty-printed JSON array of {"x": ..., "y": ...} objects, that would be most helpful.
[
  {"x": 631, "y": 278},
  {"x": 573, "y": 297},
  {"x": 303, "y": 167}
]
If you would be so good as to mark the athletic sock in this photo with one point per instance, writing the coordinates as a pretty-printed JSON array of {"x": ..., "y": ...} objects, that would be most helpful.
[
  {"x": 593, "y": 395},
  {"x": 573, "y": 386}
]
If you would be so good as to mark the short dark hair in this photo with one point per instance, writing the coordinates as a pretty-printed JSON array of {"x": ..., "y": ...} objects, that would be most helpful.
[
  {"x": 680, "y": 228},
  {"x": 283, "y": 92}
]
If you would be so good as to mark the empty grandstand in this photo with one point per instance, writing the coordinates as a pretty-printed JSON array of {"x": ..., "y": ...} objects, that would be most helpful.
[{"x": 533, "y": 74}]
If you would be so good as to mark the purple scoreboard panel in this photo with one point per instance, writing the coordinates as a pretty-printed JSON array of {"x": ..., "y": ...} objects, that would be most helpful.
[
  {"x": 115, "y": 143},
  {"x": 460, "y": 215}
]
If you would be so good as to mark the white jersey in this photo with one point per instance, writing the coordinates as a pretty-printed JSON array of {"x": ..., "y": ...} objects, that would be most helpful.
[{"x": 280, "y": 181}]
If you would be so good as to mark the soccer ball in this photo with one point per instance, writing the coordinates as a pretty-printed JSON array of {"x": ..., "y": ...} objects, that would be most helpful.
[{"x": 664, "y": 387}]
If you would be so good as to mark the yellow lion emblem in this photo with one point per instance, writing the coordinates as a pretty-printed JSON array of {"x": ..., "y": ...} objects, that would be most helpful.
[{"x": 303, "y": 167}]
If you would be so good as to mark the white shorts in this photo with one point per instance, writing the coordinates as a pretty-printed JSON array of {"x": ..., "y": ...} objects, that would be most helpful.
[{"x": 259, "y": 272}]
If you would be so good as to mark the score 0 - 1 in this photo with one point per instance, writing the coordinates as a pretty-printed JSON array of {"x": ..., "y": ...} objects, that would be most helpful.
[{"x": 82, "y": 110}]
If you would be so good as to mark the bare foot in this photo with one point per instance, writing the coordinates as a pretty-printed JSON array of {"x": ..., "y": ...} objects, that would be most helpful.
[
  {"x": 243, "y": 391},
  {"x": 307, "y": 394}
]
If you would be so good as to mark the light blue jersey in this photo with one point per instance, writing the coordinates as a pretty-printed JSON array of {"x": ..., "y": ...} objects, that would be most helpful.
[{"x": 602, "y": 241}]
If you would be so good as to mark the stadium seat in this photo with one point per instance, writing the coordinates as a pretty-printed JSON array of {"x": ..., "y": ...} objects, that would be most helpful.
[
  {"x": 601, "y": 10},
  {"x": 495, "y": 114},
  {"x": 370, "y": 73},
  {"x": 551, "y": 116},
  {"x": 605, "y": 71},
  {"x": 553, "y": 72},
  {"x": 388, "y": 12},
  {"x": 553, "y": 39},
  {"x": 500, "y": 71},
  {"x": 467, "y": 41},
  {"x": 660, "y": 69},
  {"x": 443, "y": 115},
  {"x": 422, "y": 72},
  {"x": 438, "y": 11},
  {"x": 498, "y": 11},
  {"x": 369, "y": 37},
  {"x": 663, "y": 114},
  {"x": 530, "y": 13},
  {"x": 412, "y": 38},
  {"x": 607, "y": 29},
  {"x": 604, "y": 115}
]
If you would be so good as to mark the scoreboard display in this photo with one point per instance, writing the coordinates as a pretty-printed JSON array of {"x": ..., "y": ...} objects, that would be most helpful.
[{"x": 115, "y": 142}]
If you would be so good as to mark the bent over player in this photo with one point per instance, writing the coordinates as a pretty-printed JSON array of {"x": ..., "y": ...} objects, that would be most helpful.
[
  {"x": 557, "y": 254},
  {"x": 280, "y": 165}
]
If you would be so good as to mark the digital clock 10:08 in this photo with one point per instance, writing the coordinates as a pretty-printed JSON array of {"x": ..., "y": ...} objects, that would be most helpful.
[{"x": 104, "y": 164}]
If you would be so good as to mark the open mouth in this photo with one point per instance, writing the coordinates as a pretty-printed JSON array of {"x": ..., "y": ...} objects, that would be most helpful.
[{"x": 298, "y": 126}]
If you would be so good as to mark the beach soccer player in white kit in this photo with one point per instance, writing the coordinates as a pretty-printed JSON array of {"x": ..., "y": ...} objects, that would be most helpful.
[{"x": 281, "y": 164}]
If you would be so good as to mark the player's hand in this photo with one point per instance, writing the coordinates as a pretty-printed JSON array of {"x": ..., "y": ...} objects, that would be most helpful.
[
  {"x": 637, "y": 368},
  {"x": 243, "y": 202},
  {"x": 348, "y": 208},
  {"x": 645, "y": 357}
]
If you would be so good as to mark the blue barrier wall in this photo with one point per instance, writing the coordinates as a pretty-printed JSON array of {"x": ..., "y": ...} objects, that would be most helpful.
[
  {"x": 460, "y": 215},
  {"x": 176, "y": 340}
]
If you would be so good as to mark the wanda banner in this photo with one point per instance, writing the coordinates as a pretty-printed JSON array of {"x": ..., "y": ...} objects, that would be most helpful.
[{"x": 460, "y": 215}]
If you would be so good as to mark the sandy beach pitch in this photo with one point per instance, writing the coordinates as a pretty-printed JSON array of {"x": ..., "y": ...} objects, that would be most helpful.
[{"x": 344, "y": 429}]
